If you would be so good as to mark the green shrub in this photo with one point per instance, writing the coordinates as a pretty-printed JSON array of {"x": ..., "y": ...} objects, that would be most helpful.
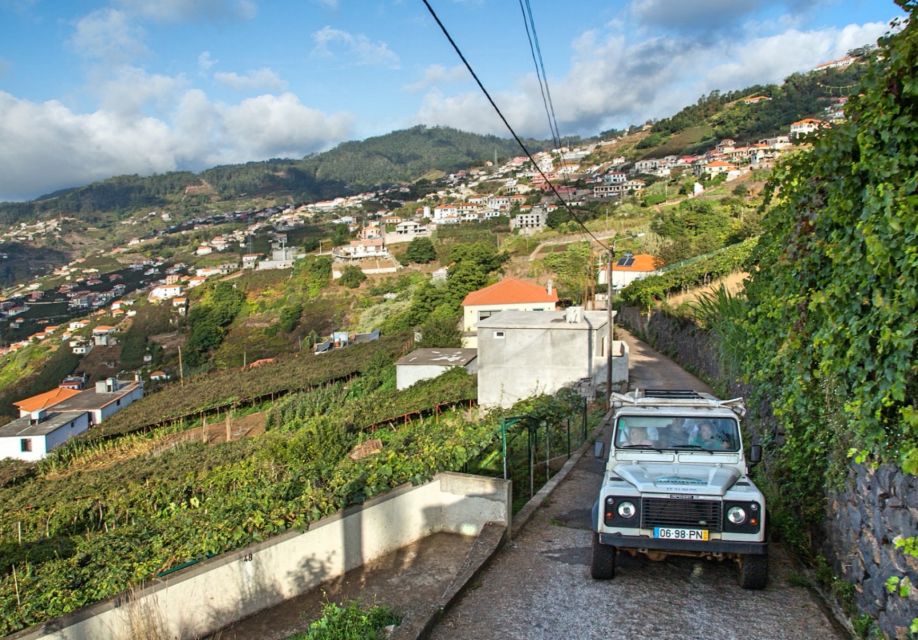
[{"x": 350, "y": 622}]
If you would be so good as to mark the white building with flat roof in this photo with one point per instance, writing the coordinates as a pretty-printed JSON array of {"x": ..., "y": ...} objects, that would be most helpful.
[
  {"x": 527, "y": 353},
  {"x": 31, "y": 437}
]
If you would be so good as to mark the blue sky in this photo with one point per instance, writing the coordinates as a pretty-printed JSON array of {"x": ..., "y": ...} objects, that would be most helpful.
[{"x": 94, "y": 89}]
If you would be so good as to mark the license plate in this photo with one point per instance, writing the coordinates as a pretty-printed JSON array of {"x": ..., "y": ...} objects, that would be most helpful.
[{"x": 668, "y": 533}]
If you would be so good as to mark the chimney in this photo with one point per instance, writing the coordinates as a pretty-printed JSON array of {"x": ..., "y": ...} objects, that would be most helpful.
[
  {"x": 37, "y": 416},
  {"x": 550, "y": 286},
  {"x": 573, "y": 315}
]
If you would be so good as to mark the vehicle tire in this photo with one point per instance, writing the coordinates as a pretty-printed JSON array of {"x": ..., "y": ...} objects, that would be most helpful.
[
  {"x": 602, "y": 564},
  {"x": 753, "y": 571}
]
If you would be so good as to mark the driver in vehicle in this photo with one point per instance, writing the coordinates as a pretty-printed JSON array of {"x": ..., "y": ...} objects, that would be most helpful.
[{"x": 709, "y": 438}]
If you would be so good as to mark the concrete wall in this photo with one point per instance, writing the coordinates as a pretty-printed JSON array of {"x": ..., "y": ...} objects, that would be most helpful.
[
  {"x": 203, "y": 598},
  {"x": 528, "y": 362},
  {"x": 111, "y": 409},
  {"x": 409, "y": 374}
]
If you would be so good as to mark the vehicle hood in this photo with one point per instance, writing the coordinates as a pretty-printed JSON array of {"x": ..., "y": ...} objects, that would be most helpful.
[{"x": 679, "y": 478}]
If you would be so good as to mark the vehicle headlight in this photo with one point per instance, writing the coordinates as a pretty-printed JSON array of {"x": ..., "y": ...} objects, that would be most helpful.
[
  {"x": 626, "y": 509},
  {"x": 736, "y": 515}
]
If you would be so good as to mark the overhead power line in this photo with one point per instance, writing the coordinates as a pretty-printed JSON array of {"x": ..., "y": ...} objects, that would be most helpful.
[
  {"x": 503, "y": 119},
  {"x": 540, "y": 72}
]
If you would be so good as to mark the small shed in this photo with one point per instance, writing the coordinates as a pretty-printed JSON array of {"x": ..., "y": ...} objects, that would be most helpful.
[{"x": 424, "y": 364}]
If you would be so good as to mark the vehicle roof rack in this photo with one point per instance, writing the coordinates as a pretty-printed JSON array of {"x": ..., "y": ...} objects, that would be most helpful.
[
  {"x": 671, "y": 393},
  {"x": 676, "y": 398}
]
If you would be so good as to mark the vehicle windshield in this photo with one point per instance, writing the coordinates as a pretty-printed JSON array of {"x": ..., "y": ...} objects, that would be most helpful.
[{"x": 677, "y": 432}]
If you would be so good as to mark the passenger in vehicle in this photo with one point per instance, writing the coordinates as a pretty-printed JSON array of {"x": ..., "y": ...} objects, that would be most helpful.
[
  {"x": 637, "y": 436},
  {"x": 708, "y": 438}
]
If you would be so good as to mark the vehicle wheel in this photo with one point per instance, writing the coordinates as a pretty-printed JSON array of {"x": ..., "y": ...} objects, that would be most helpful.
[
  {"x": 602, "y": 564},
  {"x": 753, "y": 572}
]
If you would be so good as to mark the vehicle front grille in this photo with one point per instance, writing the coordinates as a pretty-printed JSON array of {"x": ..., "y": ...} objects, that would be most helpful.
[{"x": 692, "y": 514}]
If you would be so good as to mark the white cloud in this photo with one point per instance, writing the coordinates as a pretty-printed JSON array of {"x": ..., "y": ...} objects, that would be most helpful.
[
  {"x": 109, "y": 35},
  {"x": 47, "y": 146},
  {"x": 206, "y": 61},
  {"x": 263, "y": 78},
  {"x": 279, "y": 126},
  {"x": 614, "y": 82},
  {"x": 437, "y": 74},
  {"x": 128, "y": 90},
  {"x": 353, "y": 48},
  {"x": 186, "y": 10}
]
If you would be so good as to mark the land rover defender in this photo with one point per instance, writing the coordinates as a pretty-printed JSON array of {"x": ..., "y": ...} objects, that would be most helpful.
[{"x": 676, "y": 483}]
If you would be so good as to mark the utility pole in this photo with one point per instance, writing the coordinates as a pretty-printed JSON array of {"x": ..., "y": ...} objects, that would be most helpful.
[
  {"x": 181, "y": 369},
  {"x": 609, "y": 324}
]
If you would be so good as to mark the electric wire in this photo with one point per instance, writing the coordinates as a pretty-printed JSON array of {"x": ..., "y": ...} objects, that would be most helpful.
[
  {"x": 552, "y": 125},
  {"x": 541, "y": 65},
  {"x": 503, "y": 119}
]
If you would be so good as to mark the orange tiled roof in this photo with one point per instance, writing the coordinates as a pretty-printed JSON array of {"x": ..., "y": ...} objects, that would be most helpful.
[
  {"x": 642, "y": 262},
  {"x": 46, "y": 399},
  {"x": 510, "y": 291}
]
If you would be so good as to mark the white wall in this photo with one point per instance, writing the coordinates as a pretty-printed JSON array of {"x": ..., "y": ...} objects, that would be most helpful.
[
  {"x": 11, "y": 446},
  {"x": 201, "y": 599},
  {"x": 532, "y": 361},
  {"x": 110, "y": 409}
]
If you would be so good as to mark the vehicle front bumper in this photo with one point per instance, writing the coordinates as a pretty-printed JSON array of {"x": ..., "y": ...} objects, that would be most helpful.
[{"x": 710, "y": 546}]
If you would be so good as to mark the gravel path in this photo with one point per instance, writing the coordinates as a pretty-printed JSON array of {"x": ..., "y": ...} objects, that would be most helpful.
[{"x": 538, "y": 586}]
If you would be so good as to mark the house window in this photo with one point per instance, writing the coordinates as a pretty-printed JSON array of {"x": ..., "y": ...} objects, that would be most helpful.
[
  {"x": 25, "y": 445},
  {"x": 484, "y": 315},
  {"x": 498, "y": 335}
]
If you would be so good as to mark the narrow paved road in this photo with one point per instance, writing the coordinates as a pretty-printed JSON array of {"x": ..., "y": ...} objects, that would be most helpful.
[{"x": 539, "y": 587}]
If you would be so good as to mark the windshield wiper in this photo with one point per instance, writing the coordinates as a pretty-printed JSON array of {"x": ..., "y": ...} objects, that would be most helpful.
[
  {"x": 649, "y": 447},
  {"x": 692, "y": 447}
]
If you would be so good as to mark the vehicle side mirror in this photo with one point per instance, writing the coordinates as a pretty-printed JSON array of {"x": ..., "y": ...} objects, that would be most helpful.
[
  {"x": 755, "y": 454},
  {"x": 599, "y": 449}
]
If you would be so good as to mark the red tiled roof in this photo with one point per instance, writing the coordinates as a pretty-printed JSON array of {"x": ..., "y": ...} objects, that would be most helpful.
[
  {"x": 510, "y": 291},
  {"x": 642, "y": 262},
  {"x": 46, "y": 399}
]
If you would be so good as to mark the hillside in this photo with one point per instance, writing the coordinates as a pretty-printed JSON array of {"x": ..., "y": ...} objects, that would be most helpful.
[
  {"x": 399, "y": 156},
  {"x": 749, "y": 114}
]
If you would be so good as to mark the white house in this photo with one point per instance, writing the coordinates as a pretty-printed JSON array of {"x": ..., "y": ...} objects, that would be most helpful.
[
  {"x": 107, "y": 398},
  {"x": 629, "y": 268},
  {"x": 165, "y": 292},
  {"x": 529, "y": 222},
  {"x": 424, "y": 364},
  {"x": 508, "y": 294},
  {"x": 805, "y": 127},
  {"x": 103, "y": 336},
  {"x": 31, "y": 437},
  {"x": 526, "y": 353}
]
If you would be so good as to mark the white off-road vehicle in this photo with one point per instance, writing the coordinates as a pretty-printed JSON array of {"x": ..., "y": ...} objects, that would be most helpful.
[{"x": 676, "y": 483}]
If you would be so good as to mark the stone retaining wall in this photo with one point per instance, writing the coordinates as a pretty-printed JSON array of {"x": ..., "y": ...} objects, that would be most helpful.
[
  {"x": 862, "y": 521},
  {"x": 861, "y": 525}
]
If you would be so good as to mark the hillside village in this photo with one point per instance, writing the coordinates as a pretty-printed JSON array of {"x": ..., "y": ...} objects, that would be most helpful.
[
  {"x": 228, "y": 378},
  {"x": 518, "y": 195}
]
